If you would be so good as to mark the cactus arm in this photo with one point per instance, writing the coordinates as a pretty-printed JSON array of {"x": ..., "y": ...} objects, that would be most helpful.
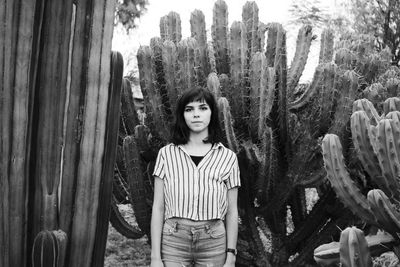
[
  {"x": 388, "y": 134},
  {"x": 256, "y": 75},
  {"x": 107, "y": 172},
  {"x": 225, "y": 84},
  {"x": 363, "y": 141},
  {"x": 391, "y": 104},
  {"x": 327, "y": 99},
  {"x": 198, "y": 31},
  {"x": 354, "y": 251},
  {"x": 326, "y": 51},
  {"x": 238, "y": 48},
  {"x": 267, "y": 97},
  {"x": 128, "y": 111},
  {"x": 303, "y": 44},
  {"x": 155, "y": 115},
  {"x": 170, "y": 65},
  {"x": 93, "y": 133},
  {"x": 187, "y": 51},
  {"x": 368, "y": 107},
  {"x": 50, "y": 130},
  {"x": 219, "y": 33},
  {"x": 250, "y": 20},
  {"x": 211, "y": 58},
  {"x": 340, "y": 179},
  {"x": 347, "y": 85},
  {"x": 311, "y": 91},
  {"x": 136, "y": 183},
  {"x": 213, "y": 84},
  {"x": 170, "y": 27},
  {"x": 18, "y": 67},
  {"x": 227, "y": 121},
  {"x": 159, "y": 95},
  {"x": 386, "y": 215}
]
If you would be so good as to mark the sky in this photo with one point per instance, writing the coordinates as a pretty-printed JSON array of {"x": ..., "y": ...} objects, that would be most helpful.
[{"x": 148, "y": 25}]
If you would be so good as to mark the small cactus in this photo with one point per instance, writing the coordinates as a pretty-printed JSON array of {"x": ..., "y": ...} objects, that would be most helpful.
[
  {"x": 48, "y": 249},
  {"x": 354, "y": 251}
]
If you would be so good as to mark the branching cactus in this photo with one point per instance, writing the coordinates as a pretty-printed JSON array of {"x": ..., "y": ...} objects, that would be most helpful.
[
  {"x": 375, "y": 142},
  {"x": 272, "y": 122}
]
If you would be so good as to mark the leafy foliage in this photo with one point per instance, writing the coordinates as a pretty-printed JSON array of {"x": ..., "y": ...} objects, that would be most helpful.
[
  {"x": 127, "y": 11},
  {"x": 317, "y": 14},
  {"x": 382, "y": 19}
]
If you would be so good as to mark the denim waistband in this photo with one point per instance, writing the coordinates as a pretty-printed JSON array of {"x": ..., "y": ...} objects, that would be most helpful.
[{"x": 186, "y": 224}]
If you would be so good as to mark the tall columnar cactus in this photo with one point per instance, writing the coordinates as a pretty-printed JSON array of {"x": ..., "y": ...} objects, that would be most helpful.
[
  {"x": 269, "y": 120},
  {"x": 58, "y": 129}
]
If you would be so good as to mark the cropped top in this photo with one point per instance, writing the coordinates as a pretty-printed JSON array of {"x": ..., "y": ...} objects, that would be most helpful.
[{"x": 197, "y": 192}]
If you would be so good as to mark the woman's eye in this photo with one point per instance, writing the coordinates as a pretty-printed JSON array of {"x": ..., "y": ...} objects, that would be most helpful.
[
  {"x": 187, "y": 109},
  {"x": 204, "y": 108}
]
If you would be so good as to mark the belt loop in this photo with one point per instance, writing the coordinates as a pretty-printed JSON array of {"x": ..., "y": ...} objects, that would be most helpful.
[
  {"x": 207, "y": 227},
  {"x": 175, "y": 226}
]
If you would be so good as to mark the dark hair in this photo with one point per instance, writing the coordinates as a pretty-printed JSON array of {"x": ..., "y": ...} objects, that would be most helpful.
[{"x": 180, "y": 130}]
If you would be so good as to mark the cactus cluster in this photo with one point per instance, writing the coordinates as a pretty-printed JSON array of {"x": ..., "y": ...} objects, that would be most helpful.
[
  {"x": 272, "y": 122},
  {"x": 376, "y": 143}
]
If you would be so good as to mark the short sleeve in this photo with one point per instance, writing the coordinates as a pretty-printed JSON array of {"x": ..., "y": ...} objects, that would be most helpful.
[
  {"x": 234, "y": 175},
  {"x": 159, "y": 166}
]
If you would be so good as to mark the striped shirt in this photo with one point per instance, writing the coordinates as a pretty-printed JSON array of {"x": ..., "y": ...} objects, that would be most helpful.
[{"x": 197, "y": 192}]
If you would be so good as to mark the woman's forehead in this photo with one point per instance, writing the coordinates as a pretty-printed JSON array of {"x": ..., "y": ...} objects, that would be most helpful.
[{"x": 197, "y": 103}]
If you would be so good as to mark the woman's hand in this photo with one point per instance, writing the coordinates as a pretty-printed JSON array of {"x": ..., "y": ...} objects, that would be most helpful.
[
  {"x": 230, "y": 261},
  {"x": 156, "y": 263}
]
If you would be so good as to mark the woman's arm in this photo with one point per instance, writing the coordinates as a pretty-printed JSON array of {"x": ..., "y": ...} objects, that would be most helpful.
[
  {"x": 231, "y": 225},
  {"x": 157, "y": 221}
]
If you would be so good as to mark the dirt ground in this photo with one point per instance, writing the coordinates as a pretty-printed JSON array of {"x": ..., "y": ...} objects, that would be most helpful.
[{"x": 124, "y": 252}]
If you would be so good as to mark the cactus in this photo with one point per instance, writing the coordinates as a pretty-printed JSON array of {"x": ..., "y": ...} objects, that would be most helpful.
[
  {"x": 340, "y": 179},
  {"x": 329, "y": 254},
  {"x": 384, "y": 211},
  {"x": 48, "y": 249},
  {"x": 56, "y": 127},
  {"x": 219, "y": 31},
  {"x": 276, "y": 124},
  {"x": 375, "y": 142},
  {"x": 354, "y": 250},
  {"x": 170, "y": 27}
]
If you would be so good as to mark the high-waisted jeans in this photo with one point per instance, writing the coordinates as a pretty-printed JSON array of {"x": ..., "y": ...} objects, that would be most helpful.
[{"x": 188, "y": 243}]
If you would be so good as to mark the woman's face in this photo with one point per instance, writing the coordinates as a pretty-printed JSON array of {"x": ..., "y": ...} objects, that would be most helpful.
[{"x": 197, "y": 116}]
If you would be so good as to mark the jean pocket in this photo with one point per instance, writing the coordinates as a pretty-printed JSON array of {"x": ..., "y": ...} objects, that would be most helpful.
[
  {"x": 168, "y": 229},
  {"x": 218, "y": 231}
]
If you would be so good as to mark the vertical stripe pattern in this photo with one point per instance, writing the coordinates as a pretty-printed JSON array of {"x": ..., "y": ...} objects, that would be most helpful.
[{"x": 197, "y": 192}]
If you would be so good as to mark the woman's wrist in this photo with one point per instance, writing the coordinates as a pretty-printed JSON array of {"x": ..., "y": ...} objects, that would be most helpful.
[{"x": 230, "y": 258}]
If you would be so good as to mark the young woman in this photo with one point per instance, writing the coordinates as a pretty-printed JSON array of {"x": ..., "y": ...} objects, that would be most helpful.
[{"x": 195, "y": 217}]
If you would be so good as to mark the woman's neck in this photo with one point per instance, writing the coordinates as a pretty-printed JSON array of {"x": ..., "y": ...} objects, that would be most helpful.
[{"x": 197, "y": 138}]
